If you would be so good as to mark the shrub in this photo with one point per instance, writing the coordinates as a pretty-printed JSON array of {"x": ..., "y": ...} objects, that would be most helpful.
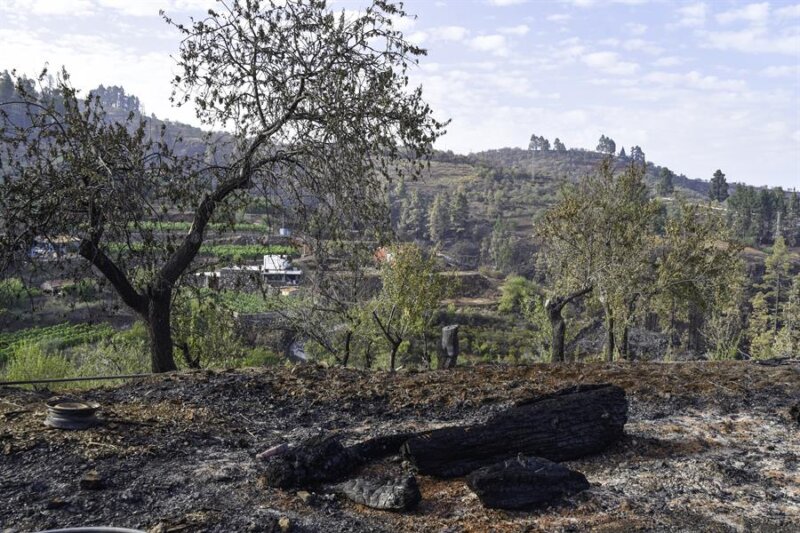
[{"x": 30, "y": 361}]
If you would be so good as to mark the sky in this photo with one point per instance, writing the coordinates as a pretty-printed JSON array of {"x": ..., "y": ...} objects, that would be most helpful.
[{"x": 698, "y": 85}]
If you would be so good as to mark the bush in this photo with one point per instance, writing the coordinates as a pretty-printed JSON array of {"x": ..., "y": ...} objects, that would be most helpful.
[
  {"x": 30, "y": 361},
  {"x": 13, "y": 291}
]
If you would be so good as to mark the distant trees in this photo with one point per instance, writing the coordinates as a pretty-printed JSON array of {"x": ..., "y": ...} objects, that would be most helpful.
[
  {"x": 759, "y": 215},
  {"x": 412, "y": 222},
  {"x": 637, "y": 155},
  {"x": 497, "y": 248},
  {"x": 622, "y": 154},
  {"x": 772, "y": 330},
  {"x": 665, "y": 187},
  {"x": 606, "y": 145},
  {"x": 718, "y": 190},
  {"x": 559, "y": 146},
  {"x": 439, "y": 218},
  {"x": 459, "y": 213},
  {"x": 538, "y": 143}
]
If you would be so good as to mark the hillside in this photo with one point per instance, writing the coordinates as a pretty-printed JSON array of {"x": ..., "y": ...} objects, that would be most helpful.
[{"x": 707, "y": 446}]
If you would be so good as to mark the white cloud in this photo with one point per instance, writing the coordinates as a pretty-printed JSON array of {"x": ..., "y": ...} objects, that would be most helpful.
[
  {"x": 494, "y": 44},
  {"x": 418, "y": 37},
  {"x": 692, "y": 15},
  {"x": 559, "y": 18},
  {"x": 640, "y": 45},
  {"x": 788, "y": 12},
  {"x": 520, "y": 29},
  {"x": 694, "y": 80},
  {"x": 752, "y": 13},
  {"x": 49, "y": 7},
  {"x": 609, "y": 62},
  {"x": 636, "y": 29},
  {"x": 754, "y": 40},
  {"x": 782, "y": 71},
  {"x": 669, "y": 61},
  {"x": 503, "y": 3},
  {"x": 449, "y": 33},
  {"x": 85, "y": 8}
]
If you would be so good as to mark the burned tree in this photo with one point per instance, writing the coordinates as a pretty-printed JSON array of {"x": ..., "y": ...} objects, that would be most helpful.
[{"x": 320, "y": 115}]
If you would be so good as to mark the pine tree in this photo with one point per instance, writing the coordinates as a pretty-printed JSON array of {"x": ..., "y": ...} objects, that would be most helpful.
[
  {"x": 637, "y": 154},
  {"x": 558, "y": 146},
  {"x": 791, "y": 227},
  {"x": 622, "y": 154},
  {"x": 438, "y": 219},
  {"x": 412, "y": 217},
  {"x": 459, "y": 213},
  {"x": 665, "y": 186},
  {"x": 719, "y": 187},
  {"x": 776, "y": 277}
]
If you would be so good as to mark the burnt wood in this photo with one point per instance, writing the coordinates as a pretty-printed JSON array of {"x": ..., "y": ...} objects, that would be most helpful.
[
  {"x": 398, "y": 494},
  {"x": 525, "y": 483},
  {"x": 566, "y": 425}
]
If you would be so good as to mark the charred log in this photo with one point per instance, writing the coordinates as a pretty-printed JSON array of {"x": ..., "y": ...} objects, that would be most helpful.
[
  {"x": 525, "y": 483},
  {"x": 399, "y": 494},
  {"x": 569, "y": 424}
]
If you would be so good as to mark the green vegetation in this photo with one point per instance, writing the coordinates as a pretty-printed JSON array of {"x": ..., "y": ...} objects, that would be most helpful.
[
  {"x": 56, "y": 337},
  {"x": 241, "y": 252},
  {"x": 173, "y": 225}
]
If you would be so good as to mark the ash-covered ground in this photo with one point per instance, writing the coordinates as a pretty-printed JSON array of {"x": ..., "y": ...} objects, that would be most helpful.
[{"x": 708, "y": 447}]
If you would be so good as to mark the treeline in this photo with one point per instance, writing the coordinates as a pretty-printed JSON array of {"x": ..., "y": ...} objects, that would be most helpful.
[{"x": 759, "y": 215}]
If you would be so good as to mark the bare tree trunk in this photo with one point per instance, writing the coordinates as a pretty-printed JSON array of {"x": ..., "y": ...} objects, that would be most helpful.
[
  {"x": 393, "y": 357},
  {"x": 610, "y": 344},
  {"x": 625, "y": 348},
  {"x": 158, "y": 325},
  {"x": 553, "y": 308},
  {"x": 347, "y": 338}
]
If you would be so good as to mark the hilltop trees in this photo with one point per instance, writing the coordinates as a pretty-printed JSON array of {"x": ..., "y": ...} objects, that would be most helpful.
[
  {"x": 719, "y": 187},
  {"x": 606, "y": 145},
  {"x": 321, "y": 123},
  {"x": 665, "y": 186},
  {"x": 538, "y": 143},
  {"x": 559, "y": 146}
]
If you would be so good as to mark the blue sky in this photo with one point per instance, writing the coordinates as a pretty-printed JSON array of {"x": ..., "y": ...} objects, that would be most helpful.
[{"x": 698, "y": 85}]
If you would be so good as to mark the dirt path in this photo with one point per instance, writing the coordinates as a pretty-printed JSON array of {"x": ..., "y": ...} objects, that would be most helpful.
[{"x": 709, "y": 446}]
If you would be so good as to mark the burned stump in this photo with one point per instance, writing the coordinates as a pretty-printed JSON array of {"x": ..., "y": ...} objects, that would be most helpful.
[
  {"x": 320, "y": 459},
  {"x": 525, "y": 483},
  {"x": 323, "y": 459},
  {"x": 566, "y": 425},
  {"x": 399, "y": 494}
]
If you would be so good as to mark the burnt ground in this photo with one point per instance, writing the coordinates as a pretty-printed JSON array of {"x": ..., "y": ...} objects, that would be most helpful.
[{"x": 708, "y": 447}]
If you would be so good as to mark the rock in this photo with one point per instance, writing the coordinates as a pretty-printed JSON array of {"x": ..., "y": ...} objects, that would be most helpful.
[
  {"x": 306, "y": 497},
  {"x": 91, "y": 480},
  {"x": 398, "y": 494},
  {"x": 525, "y": 483},
  {"x": 285, "y": 524},
  {"x": 56, "y": 503}
]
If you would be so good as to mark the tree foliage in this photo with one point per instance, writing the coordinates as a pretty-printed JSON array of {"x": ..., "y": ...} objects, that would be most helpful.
[{"x": 321, "y": 113}]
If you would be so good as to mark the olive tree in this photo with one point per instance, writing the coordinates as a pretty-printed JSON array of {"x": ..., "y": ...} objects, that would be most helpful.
[{"x": 319, "y": 114}]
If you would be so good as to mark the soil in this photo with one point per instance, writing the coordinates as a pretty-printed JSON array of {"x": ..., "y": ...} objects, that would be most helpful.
[{"x": 708, "y": 446}]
